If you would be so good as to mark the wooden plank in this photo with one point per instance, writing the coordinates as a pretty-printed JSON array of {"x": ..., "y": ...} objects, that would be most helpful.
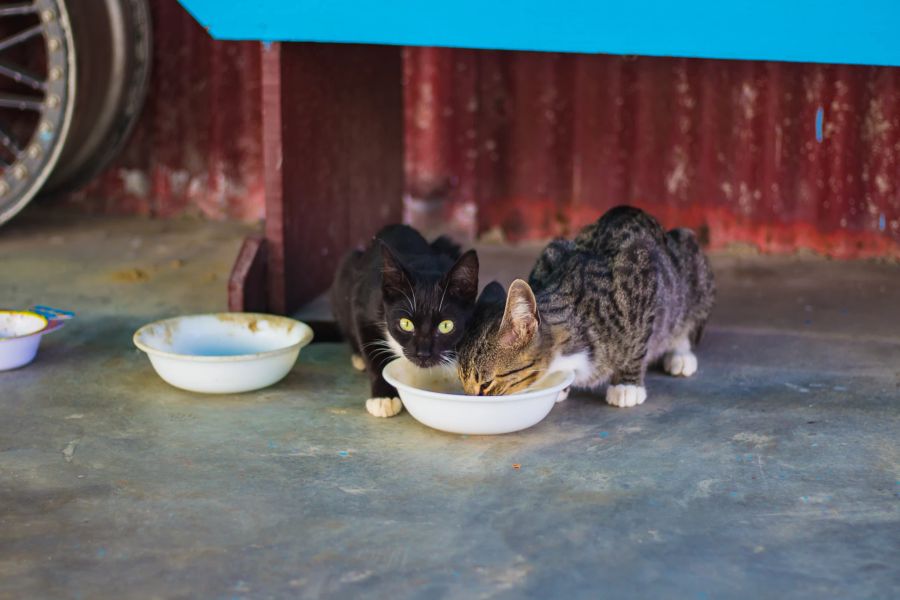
[
  {"x": 272, "y": 174},
  {"x": 247, "y": 282},
  {"x": 333, "y": 150}
]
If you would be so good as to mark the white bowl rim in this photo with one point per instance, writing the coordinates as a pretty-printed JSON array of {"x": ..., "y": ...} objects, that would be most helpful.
[
  {"x": 567, "y": 381},
  {"x": 25, "y": 335},
  {"x": 306, "y": 332}
]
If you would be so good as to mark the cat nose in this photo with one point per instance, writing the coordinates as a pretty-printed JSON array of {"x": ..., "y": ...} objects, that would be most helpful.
[{"x": 423, "y": 355}]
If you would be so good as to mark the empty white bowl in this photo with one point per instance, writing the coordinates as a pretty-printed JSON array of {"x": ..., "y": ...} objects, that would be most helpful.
[
  {"x": 435, "y": 397},
  {"x": 223, "y": 353}
]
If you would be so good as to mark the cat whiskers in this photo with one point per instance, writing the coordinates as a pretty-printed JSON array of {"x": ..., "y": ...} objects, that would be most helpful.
[
  {"x": 411, "y": 303},
  {"x": 444, "y": 293},
  {"x": 383, "y": 349},
  {"x": 376, "y": 343},
  {"x": 383, "y": 355},
  {"x": 448, "y": 359}
]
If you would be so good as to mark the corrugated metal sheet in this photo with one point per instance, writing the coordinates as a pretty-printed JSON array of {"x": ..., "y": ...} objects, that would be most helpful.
[
  {"x": 537, "y": 144},
  {"x": 197, "y": 148},
  {"x": 778, "y": 155}
]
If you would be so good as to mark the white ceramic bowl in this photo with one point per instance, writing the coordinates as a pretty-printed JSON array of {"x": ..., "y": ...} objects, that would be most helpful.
[
  {"x": 435, "y": 397},
  {"x": 21, "y": 332},
  {"x": 223, "y": 353},
  {"x": 20, "y": 336}
]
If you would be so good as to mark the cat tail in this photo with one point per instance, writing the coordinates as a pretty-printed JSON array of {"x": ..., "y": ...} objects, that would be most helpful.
[
  {"x": 444, "y": 245},
  {"x": 340, "y": 295},
  {"x": 696, "y": 269}
]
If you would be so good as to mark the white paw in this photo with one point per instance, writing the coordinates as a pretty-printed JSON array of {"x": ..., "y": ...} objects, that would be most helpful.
[
  {"x": 563, "y": 395},
  {"x": 680, "y": 364},
  {"x": 383, "y": 407},
  {"x": 358, "y": 363},
  {"x": 625, "y": 396}
]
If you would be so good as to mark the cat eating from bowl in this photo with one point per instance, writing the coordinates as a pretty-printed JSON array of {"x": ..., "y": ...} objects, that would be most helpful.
[
  {"x": 403, "y": 297},
  {"x": 620, "y": 296}
]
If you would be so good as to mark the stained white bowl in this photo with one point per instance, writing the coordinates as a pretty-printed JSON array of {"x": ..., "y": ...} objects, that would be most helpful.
[
  {"x": 435, "y": 398},
  {"x": 20, "y": 336},
  {"x": 224, "y": 353}
]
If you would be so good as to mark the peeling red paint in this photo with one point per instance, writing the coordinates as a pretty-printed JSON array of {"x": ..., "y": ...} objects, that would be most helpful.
[{"x": 726, "y": 146}]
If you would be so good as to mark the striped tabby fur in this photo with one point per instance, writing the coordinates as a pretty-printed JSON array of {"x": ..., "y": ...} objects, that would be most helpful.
[{"x": 621, "y": 295}]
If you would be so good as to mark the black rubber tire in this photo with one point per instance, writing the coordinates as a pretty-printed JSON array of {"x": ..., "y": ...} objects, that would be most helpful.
[{"x": 113, "y": 42}]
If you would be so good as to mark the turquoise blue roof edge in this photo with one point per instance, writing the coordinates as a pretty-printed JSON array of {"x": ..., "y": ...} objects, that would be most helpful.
[{"x": 827, "y": 31}]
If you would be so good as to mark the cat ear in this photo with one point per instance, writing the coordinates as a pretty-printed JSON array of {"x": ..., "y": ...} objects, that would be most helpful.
[
  {"x": 394, "y": 280},
  {"x": 520, "y": 318},
  {"x": 461, "y": 280},
  {"x": 493, "y": 293}
]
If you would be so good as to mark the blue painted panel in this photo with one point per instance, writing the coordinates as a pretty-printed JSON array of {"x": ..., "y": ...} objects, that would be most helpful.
[{"x": 830, "y": 31}]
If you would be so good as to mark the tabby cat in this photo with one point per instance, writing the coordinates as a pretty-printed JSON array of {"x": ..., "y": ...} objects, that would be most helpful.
[
  {"x": 621, "y": 295},
  {"x": 403, "y": 297}
]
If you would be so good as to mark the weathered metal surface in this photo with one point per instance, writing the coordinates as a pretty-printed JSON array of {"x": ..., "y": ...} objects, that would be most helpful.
[
  {"x": 777, "y": 155},
  {"x": 197, "y": 147},
  {"x": 333, "y": 139},
  {"x": 537, "y": 144}
]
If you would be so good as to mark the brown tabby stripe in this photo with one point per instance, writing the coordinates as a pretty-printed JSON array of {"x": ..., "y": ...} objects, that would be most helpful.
[
  {"x": 514, "y": 371},
  {"x": 523, "y": 380}
]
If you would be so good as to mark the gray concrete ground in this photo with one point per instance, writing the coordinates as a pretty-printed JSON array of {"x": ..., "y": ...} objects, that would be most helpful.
[{"x": 773, "y": 473}]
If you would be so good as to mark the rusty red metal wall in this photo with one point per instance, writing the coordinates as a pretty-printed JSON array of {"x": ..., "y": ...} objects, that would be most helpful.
[
  {"x": 197, "y": 148},
  {"x": 538, "y": 144}
]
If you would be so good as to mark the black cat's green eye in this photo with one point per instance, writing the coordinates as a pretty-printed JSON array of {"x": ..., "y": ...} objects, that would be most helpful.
[
  {"x": 406, "y": 325},
  {"x": 445, "y": 326}
]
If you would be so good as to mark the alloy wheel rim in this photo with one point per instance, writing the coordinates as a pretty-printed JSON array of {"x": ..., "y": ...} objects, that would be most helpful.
[{"x": 35, "y": 107}]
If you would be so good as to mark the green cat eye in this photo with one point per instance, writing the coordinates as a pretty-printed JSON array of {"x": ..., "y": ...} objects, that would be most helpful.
[
  {"x": 445, "y": 326},
  {"x": 406, "y": 325}
]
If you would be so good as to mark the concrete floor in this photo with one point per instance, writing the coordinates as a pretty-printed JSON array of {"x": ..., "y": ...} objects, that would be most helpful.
[{"x": 774, "y": 473}]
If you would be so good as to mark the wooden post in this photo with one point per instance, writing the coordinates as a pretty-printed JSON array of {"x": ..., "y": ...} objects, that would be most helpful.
[
  {"x": 333, "y": 156},
  {"x": 247, "y": 286}
]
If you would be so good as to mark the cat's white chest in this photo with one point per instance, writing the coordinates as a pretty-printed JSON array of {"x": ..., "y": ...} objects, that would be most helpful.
[{"x": 578, "y": 363}]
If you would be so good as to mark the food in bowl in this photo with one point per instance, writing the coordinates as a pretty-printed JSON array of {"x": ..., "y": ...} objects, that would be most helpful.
[
  {"x": 223, "y": 353},
  {"x": 435, "y": 398}
]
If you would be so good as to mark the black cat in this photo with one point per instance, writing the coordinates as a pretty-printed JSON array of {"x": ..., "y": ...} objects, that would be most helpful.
[{"x": 403, "y": 297}]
